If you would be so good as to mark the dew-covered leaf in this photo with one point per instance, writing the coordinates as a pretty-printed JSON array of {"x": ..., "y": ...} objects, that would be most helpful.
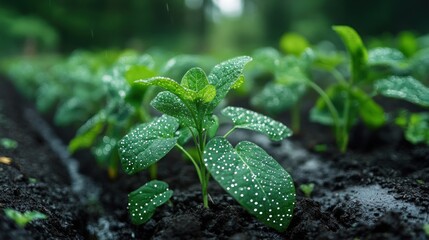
[
  {"x": 276, "y": 97},
  {"x": 213, "y": 126},
  {"x": 148, "y": 143},
  {"x": 356, "y": 49},
  {"x": 183, "y": 135},
  {"x": 105, "y": 150},
  {"x": 291, "y": 70},
  {"x": 170, "y": 85},
  {"x": 88, "y": 133},
  {"x": 224, "y": 75},
  {"x": 207, "y": 94},
  {"x": 254, "y": 179},
  {"x": 168, "y": 103},
  {"x": 143, "y": 202},
  {"x": 406, "y": 88},
  {"x": 385, "y": 56},
  {"x": 195, "y": 79},
  {"x": 243, "y": 118}
]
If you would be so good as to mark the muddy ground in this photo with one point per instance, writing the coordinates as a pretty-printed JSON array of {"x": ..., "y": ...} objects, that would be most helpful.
[{"x": 378, "y": 190}]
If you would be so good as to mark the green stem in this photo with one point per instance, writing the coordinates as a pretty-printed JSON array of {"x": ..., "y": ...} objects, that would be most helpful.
[
  {"x": 197, "y": 167},
  {"x": 332, "y": 110},
  {"x": 229, "y": 132},
  {"x": 296, "y": 118},
  {"x": 153, "y": 171}
]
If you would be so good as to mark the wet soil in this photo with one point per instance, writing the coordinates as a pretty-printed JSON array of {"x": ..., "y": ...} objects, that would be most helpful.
[{"x": 378, "y": 190}]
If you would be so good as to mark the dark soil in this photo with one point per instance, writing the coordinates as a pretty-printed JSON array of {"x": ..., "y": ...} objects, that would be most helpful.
[{"x": 378, "y": 190}]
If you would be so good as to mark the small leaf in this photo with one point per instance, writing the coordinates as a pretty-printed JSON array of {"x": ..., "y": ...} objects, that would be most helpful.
[
  {"x": 417, "y": 128},
  {"x": 247, "y": 119},
  {"x": 136, "y": 72},
  {"x": 21, "y": 219},
  {"x": 406, "y": 88},
  {"x": 143, "y": 202},
  {"x": 8, "y": 143},
  {"x": 356, "y": 49},
  {"x": 276, "y": 97},
  {"x": 223, "y": 77},
  {"x": 170, "y": 85},
  {"x": 148, "y": 143},
  {"x": 293, "y": 43},
  {"x": 238, "y": 83},
  {"x": 212, "y": 129},
  {"x": 254, "y": 179},
  {"x": 195, "y": 79},
  {"x": 168, "y": 103},
  {"x": 106, "y": 150},
  {"x": 88, "y": 133},
  {"x": 207, "y": 94},
  {"x": 370, "y": 112}
]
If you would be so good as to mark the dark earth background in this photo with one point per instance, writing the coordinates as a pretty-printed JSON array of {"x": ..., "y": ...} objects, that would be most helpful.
[{"x": 379, "y": 189}]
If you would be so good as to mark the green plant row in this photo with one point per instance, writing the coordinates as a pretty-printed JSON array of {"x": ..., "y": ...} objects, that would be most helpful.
[{"x": 109, "y": 96}]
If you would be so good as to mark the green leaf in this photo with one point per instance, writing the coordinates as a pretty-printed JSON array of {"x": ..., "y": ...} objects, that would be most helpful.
[
  {"x": 207, "y": 94},
  {"x": 143, "y": 202},
  {"x": 170, "y": 104},
  {"x": 385, "y": 56},
  {"x": 247, "y": 119},
  {"x": 21, "y": 219},
  {"x": 148, "y": 143},
  {"x": 213, "y": 127},
  {"x": 370, "y": 112},
  {"x": 223, "y": 77},
  {"x": 293, "y": 43},
  {"x": 426, "y": 229},
  {"x": 276, "y": 98},
  {"x": 170, "y": 85},
  {"x": 417, "y": 128},
  {"x": 88, "y": 133},
  {"x": 291, "y": 70},
  {"x": 356, "y": 49},
  {"x": 307, "y": 189},
  {"x": 361, "y": 106},
  {"x": 254, "y": 179},
  {"x": 136, "y": 72},
  {"x": 195, "y": 79},
  {"x": 8, "y": 143},
  {"x": 406, "y": 88},
  {"x": 106, "y": 150}
]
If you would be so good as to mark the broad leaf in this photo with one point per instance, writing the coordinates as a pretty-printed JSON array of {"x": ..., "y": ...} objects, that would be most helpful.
[
  {"x": 356, "y": 49},
  {"x": 254, "y": 179},
  {"x": 148, "y": 143},
  {"x": 406, "y": 88},
  {"x": 276, "y": 98},
  {"x": 247, "y": 119},
  {"x": 292, "y": 70},
  {"x": 223, "y": 77},
  {"x": 106, "y": 150},
  {"x": 137, "y": 72},
  {"x": 293, "y": 43},
  {"x": 170, "y": 85},
  {"x": 168, "y": 103},
  {"x": 370, "y": 112},
  {"x": 143, "y": 202},
  {"x": 195, "y": 79}
]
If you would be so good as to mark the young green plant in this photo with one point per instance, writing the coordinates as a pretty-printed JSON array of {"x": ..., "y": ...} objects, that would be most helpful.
[
  {"x": 21, "y": 219},
  {"x": 246, "y": 172}
]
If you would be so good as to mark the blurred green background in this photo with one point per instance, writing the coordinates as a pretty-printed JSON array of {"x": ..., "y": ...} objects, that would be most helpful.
[{"x": 220, "y": 27}]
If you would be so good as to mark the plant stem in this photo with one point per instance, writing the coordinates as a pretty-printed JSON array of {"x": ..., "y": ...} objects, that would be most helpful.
[
  {"x": 229, "y": 132},
  {"x": 197, "y": 167},
  {"x": 332, "y": 110},
  {"x": 296, "y": 118},
  {"x": 153, "y": 171}
]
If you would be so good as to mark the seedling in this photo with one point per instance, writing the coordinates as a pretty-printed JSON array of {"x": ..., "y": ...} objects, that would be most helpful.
[
  {"x": 8, "y": 143},
  {"x": 307, "y": 189},
  {"x": 21, "y": 219},
  {"x": 246, "y": 172},
  {"x": 416, "y": 125}
]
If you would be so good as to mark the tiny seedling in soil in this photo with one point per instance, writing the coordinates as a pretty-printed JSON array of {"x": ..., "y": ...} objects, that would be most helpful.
[
  {"x": 245, "y": 171},
  {"x": 8, "y": 143},
  {"x": 21, "y": 219},
  {"x": 307, "y": 189}
]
